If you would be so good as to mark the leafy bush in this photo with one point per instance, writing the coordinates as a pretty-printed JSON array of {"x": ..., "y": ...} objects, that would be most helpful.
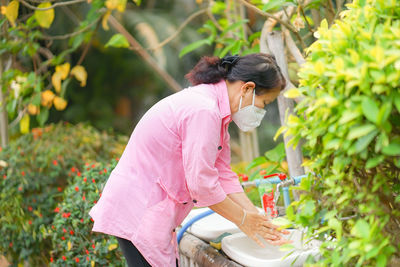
[
  {"x": 70, "y": 232},
  {"x": 35, "y": 170},
  {"x": 271, "y": 162},
  {"x": 349, "y": 121}
]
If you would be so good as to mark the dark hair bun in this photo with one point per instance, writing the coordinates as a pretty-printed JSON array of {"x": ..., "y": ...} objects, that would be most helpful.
[
  {"x": 259, "y": 68},
  {"x": 207, "y": 70}
]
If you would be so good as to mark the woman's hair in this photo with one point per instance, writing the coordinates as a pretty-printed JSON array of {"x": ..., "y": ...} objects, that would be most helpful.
[{"x": 259, "y": 68}]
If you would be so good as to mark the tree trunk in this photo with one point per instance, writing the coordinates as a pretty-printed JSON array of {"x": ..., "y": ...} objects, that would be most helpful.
[{"x": 276, "y": 47}]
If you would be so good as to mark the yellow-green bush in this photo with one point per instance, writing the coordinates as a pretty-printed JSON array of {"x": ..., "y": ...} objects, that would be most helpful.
[{"x": 350, "y": 123}]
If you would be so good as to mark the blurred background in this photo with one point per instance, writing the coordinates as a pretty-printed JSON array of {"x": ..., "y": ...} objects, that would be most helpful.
[{"x": 121, "y": 87}]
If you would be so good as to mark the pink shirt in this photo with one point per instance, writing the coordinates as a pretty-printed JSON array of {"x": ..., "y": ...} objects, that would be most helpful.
[{"x": 177, "y": 157}]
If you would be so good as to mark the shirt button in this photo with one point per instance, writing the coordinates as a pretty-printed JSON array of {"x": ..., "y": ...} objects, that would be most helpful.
[
  {"x": 194, "y": 201},
  {"x": 220, "y": 147}
]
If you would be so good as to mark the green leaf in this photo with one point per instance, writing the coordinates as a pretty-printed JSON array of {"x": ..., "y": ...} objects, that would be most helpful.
[
  {"x": 381, "y": 260},
  {"x": 193, "y": 46},
  {"x": 117, "y": 40},
  {"x": 235, "y": 25},
  {"x": 393, "y": 149},
  {"x": 42, "y": 116},
  {"x": 361, "y": 229},
  {"x": 308, "y": 208},
  {"x": 277, "y": 153},
  {"x": 272, "y": 4},
  {"x": 137, "y": 2},
  {"x": 373, "y": 162},
  {"x": 290, "y": 212},
  {"x": 286, "y": 247},
  {"x": 228, "y": 48},
  {"x": 271, "y": 169},
  {"x": 279, "y": 132},
  {"x": 397, "y": 101},
  {"x": 370, "y": 109},
  {"x": 384, "y": 112},
  {"x": 256, "y": 162},
  {"x": 364, "y": 141},
  {"x": 336, "y": 225},
  {"x": 359, "y": 131},
  {"x": 282, "y": 222},
  {"x": 349, "y": 115},
  {"x": 292, "y": 93},
  {"x": 218, "y": 7},
  {"x": 11, "y": 106},
  {"x": 36, "y": 100}
]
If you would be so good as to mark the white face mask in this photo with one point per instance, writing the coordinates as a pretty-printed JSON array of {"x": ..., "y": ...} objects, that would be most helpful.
[{"x": 250, "y": 117}]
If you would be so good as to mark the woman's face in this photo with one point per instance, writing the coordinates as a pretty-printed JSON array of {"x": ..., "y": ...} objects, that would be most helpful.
[{"x": 245, "y": 89}]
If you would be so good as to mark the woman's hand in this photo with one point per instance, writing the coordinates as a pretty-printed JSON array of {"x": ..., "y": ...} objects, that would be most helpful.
[{"x": 255, "y": 224}]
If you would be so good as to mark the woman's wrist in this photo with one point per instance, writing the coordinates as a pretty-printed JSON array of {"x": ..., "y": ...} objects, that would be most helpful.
[{"x": 244, "y": 217}]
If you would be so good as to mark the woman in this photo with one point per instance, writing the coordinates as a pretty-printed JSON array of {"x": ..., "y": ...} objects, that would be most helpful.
[{"x": 178, "y": 156}]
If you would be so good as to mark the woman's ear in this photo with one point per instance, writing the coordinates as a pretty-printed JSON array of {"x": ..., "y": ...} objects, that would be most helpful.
[{"x": 247, "y": 87}]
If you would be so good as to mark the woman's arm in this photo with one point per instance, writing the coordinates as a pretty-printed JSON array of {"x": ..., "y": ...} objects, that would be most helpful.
[
  {"x": 242, "y": 200},
  {"x": 251, "y": 223}
]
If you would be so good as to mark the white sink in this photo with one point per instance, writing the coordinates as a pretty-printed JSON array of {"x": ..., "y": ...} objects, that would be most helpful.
[
  {"x": 247, "y": 252},
  {"x": 210, "y": 227}
]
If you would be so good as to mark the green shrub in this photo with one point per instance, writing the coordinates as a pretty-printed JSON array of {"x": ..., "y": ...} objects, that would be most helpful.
[
  {"x": 349, "y": 121},
  {"x": 70, "y": 232},
  {"x": 271, "y": 162},
  {"x": 35, "y": 170}
]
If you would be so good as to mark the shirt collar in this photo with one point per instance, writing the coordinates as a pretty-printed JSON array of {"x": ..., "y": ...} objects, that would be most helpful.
[{"x": 221, "y": 91}]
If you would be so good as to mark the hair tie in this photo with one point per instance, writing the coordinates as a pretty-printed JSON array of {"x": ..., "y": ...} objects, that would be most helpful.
[{"x": 229, "y": 60}]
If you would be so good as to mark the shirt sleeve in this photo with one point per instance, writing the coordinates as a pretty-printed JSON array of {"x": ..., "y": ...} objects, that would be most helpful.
[
  {"x": 200, "y": 133},
  {"x": 227, "y": 178}
]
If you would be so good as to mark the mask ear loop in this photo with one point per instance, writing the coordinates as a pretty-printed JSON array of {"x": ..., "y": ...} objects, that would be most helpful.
[
  {"x": 254, "y": 95},
  {"x": 240, "y": 102}
]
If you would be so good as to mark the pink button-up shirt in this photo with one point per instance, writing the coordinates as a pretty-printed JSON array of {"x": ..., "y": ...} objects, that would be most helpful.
[{"x": 177, "y": 156}]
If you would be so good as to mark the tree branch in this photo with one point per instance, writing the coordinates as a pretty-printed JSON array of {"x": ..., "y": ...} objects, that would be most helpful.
[
  {"x": 135, "y": 45},
  {"x": 68, "y": 35},
  {"x": 268, "y": 15},
  {"x": 304, "y": 16},
  {"x": 211, "y": 16},
  {"x": 88, "y": 45},
  {"x": 18, "y": 118},
  {"x": 183, "y": 25},
  {"x": 294, "y": 50},
  {"x": 72, "y": 2}
]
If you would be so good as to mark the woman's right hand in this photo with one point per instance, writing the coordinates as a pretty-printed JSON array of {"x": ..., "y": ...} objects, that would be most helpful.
[{"x": 255, "y": 224}]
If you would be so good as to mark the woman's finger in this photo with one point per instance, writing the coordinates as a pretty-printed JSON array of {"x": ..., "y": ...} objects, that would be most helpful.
[
  {"x": 276, "y": 228},
  {"x": 268, "y": 236},
  {"x": 254, "y": 237},
  {"x": 270, "y": 231}
]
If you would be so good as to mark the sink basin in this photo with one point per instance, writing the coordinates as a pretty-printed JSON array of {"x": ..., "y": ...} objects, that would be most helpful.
[
  {"x": 247, "y": 252},
  {"x": 210, "y": 227}
]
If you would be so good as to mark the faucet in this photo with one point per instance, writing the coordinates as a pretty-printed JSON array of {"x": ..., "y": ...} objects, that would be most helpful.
[{"x": 281, "y": 180}]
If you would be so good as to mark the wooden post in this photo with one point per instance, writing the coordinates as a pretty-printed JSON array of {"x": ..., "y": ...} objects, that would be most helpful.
[
  {"x": 276, "y": 47},
  {"x": 249, "y": 145}
]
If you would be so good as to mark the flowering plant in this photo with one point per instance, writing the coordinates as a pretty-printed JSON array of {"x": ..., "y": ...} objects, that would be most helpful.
[
  {"x": 72, "y": 239},
  {"x": 34, "y": 171}
]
